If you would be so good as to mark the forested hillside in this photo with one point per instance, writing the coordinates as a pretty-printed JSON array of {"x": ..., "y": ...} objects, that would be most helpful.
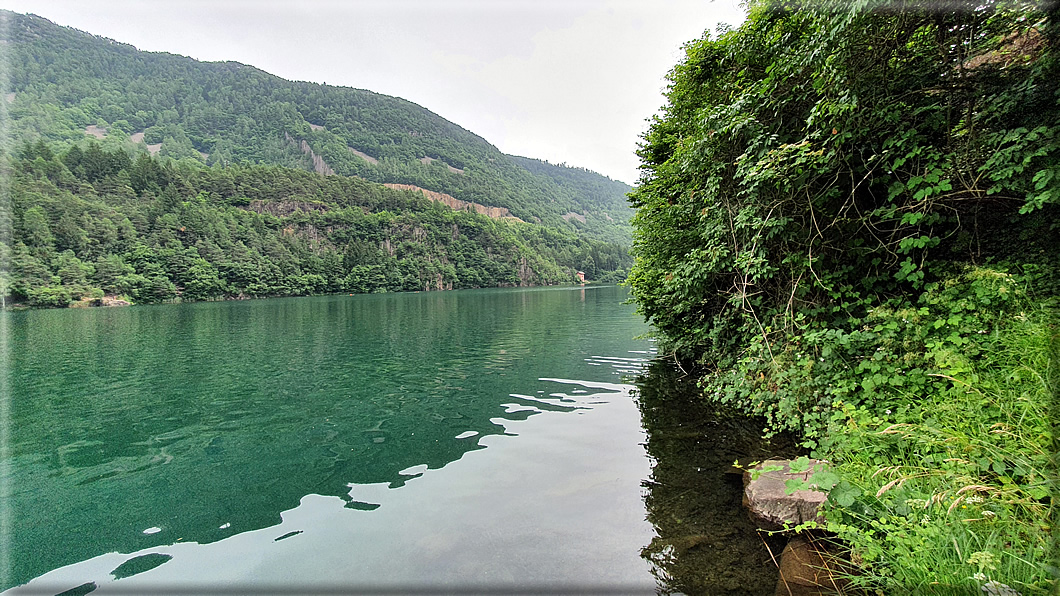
[
  {"x": 604, "y": 210},
  {"x": 848, "y": 223},
  {"x": 157, "y": 177},
  {"x": 64, "y": 82},
  {"x": 89, "y": 222}
]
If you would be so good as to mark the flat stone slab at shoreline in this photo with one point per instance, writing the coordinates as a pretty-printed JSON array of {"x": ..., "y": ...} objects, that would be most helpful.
[{"x": 769, "y": 504}]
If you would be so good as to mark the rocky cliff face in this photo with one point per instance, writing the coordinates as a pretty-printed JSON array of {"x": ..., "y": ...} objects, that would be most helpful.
[
  {"x": 319, "y": 165},
  {"x": 455, "y": 203}
]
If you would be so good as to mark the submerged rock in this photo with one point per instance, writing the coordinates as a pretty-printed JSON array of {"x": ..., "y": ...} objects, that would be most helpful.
[
  {"x": 807, "y": 568},
  {"x": 769, "y": 504}
]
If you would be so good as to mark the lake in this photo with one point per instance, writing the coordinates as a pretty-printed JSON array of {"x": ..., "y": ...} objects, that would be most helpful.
[{"x": 468, "y": 440}]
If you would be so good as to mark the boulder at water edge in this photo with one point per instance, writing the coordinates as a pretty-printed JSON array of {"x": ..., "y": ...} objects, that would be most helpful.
[{"x": 769, "y": 504}]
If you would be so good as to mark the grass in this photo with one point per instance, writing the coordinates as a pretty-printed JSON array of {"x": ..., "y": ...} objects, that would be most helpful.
[{"x": 953, "y": 491}]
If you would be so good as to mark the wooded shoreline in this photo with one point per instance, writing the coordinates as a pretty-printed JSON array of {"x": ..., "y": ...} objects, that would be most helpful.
[{"x": 848, "y": 225}]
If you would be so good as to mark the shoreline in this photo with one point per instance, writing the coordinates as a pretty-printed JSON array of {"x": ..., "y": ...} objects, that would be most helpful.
[{"x": 121, "y": 300}]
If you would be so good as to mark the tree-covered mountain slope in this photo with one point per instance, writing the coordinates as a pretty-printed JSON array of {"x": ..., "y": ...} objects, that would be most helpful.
[
  {"x": 92, "y": 222},
  {"x": 66, "y": 84},
  {"x": 601, "y": 206},
  {"x": 158, "y": 177}
]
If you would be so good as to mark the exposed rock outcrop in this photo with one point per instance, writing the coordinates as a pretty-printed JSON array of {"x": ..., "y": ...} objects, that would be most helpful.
[
  {"x": 113, "y": 301},
  {"x": 319, "y": 165},
  {"x": 364, "y": 156},
  {"x": 429, "y": 160},
  {"x": 138, "y": 137},
  {"x": 104, "y": 301},
  {"x": 96, "y": 131},
  {"x": 457, "y": 204},
  {"x": 1016, "y": 48}
]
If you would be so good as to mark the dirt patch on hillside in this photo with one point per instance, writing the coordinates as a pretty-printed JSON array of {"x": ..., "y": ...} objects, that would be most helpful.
[
  {"x": 364, "y": 156},
  {"x": 429, "y": 160},
  {"x": 457, "y": 204},
  {"x": 572, "y": 215},
  {"x": 153, "y": 149},
  {"x": 315, "y": 126},
  {"x": 10, "y": 97},
  {"x": 99, "y": 133}
]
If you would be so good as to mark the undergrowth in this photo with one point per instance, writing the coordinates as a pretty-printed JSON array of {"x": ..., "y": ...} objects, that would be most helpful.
[{"x": 943, "y": 482}]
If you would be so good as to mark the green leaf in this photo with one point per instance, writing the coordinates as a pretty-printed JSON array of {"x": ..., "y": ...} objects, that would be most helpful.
[
  {"x": 824, "y": 480},
  {"x": 795, "y": 484},
  {"x": 844, "y": 494},
  {"x": 799, "y": 465}
]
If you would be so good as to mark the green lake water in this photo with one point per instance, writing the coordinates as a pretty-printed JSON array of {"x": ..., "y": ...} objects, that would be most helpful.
[
  {"x": 479, "y": 441},
  {"x": 467, "y": 440}
]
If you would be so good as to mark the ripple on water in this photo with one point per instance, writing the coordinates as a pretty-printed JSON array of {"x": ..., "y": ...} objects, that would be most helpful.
[{"x": 377, "y": 389}]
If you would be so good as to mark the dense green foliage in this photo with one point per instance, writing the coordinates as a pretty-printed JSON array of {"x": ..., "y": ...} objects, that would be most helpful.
[
  {"x": 64, "y": 81},
  {"x": 951, "y": 485},
  {"x": 782, "y": 183},
  {"x": 89, "y": 221},
  {"x": 841, "y": 214}
]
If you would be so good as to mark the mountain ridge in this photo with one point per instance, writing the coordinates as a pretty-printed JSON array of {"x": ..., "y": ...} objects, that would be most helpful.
[
  {"x": 158, "y": 177},
  {"x": 234, "y": 112}
]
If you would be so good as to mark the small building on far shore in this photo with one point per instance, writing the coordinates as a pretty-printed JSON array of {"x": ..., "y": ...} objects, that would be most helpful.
[{"x": 581, "y": 276}]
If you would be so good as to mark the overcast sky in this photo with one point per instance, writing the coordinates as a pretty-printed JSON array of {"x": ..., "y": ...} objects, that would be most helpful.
[{"x": 564, "y": 80}]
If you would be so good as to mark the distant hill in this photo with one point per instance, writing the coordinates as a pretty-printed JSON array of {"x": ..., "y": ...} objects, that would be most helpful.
[
  {"x": 599, "y": 197},
  {"x": 66, "y": 85},
  {"x": 154, "y": 177}
]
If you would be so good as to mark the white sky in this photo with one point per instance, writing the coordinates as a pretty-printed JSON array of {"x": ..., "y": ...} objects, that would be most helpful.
[{"x": 564, "y": 80}]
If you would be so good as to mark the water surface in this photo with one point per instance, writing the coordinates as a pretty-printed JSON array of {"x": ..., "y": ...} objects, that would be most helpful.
[
  {"x": 473, "y": 439},
  {"x": 706, "y": 543}
]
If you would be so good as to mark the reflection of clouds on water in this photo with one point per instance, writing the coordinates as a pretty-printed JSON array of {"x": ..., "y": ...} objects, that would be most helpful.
[
  {"x": 526, "y": 510},
  {"x": 628, "y": 366},
  {"x": 414, "y": 470},
  {"x": 190, "y": 417},
  {"x": 513, "y": 408},
  {"x": 625, "y": 366}
]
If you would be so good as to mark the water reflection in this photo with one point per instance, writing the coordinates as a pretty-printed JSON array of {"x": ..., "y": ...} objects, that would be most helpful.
[
  {"x": 552, "y": 504},
  {"x": 203, "y": 422},
  {"x": 706, "y": 544}
]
